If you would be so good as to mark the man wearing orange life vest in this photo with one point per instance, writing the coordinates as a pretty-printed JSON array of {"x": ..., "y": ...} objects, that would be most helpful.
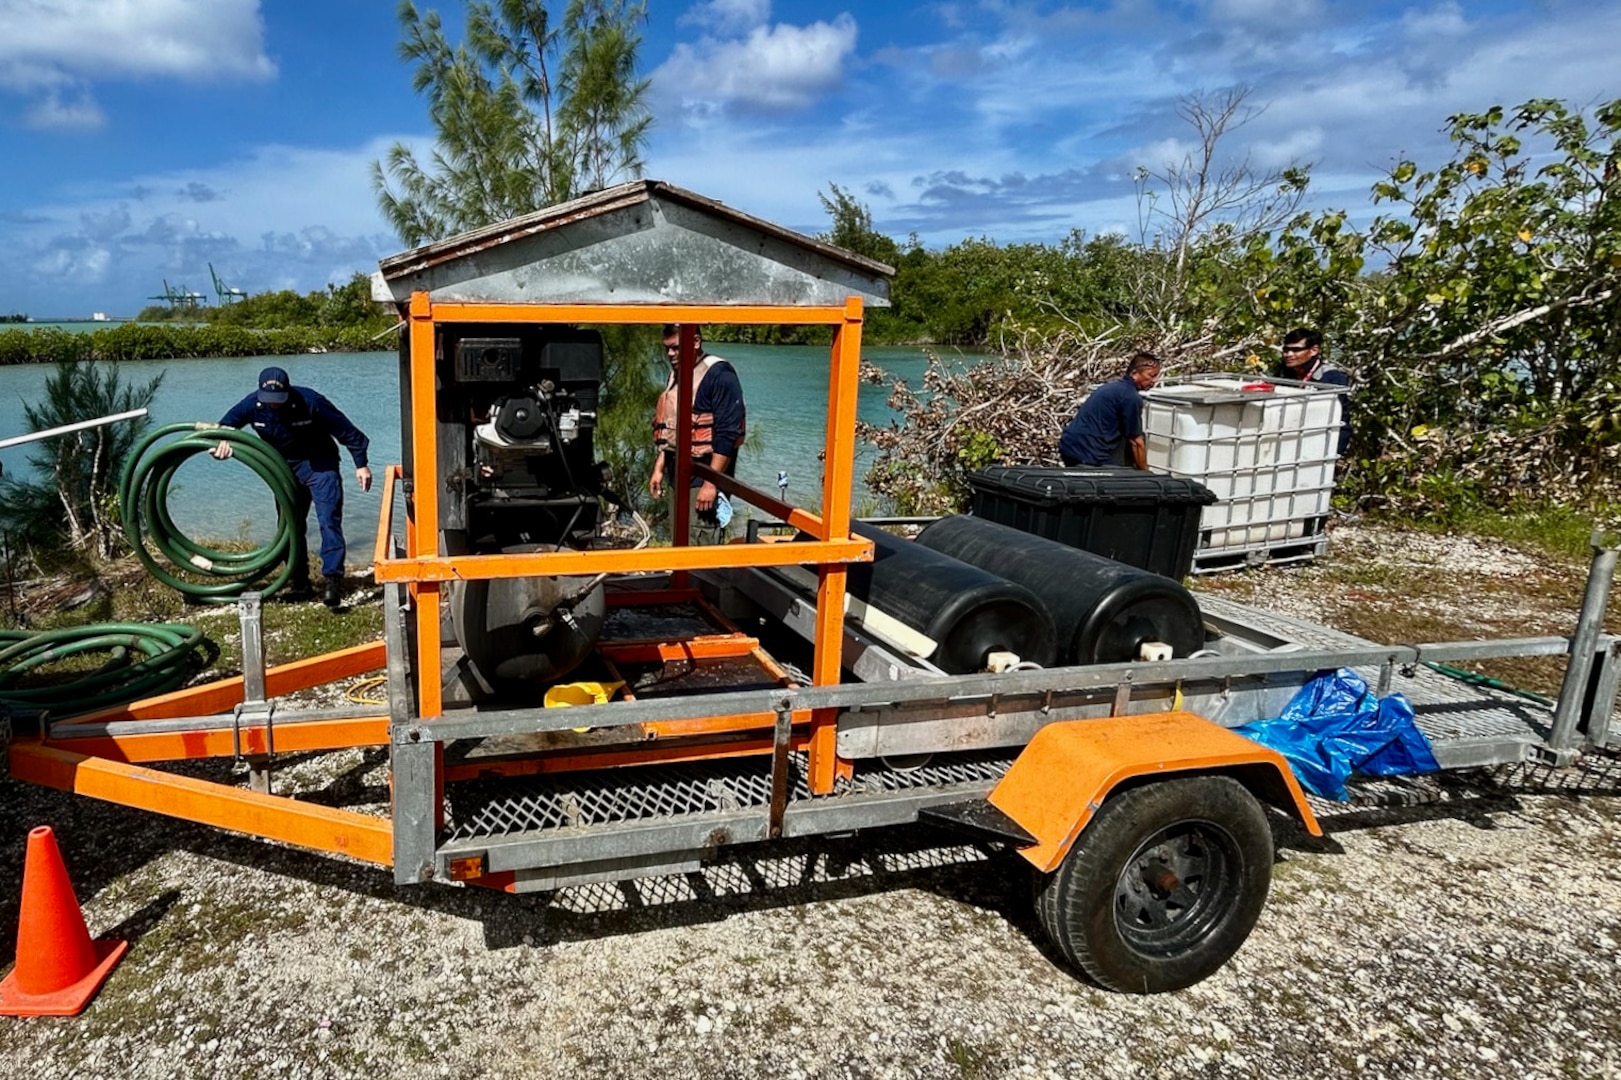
[{"x": 717, "y": 422}]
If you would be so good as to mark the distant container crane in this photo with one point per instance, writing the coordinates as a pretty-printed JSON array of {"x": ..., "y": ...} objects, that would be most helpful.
[
  {"x": 180, "y": 297},
  {"x": 225, "y": 293}
]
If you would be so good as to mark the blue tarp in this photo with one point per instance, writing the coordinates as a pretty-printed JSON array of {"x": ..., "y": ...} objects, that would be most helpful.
[{"x": 1336, "y": 726}]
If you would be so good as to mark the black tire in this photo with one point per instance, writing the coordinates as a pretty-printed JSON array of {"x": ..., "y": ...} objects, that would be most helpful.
[{"x": 1163, "y": 886}]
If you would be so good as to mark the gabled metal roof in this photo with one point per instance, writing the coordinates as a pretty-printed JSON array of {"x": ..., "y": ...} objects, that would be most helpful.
[{"x": 645, "y": 242}]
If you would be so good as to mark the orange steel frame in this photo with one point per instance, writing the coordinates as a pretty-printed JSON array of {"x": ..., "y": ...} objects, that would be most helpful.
[
  {"x": 425, "y": 568},
  {"x": 110, "y": 766}
]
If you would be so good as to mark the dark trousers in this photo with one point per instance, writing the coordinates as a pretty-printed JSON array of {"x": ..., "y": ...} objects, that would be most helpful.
[
  {"x": 1117, "y": 456},
  {"x": 321, "y": 487}
]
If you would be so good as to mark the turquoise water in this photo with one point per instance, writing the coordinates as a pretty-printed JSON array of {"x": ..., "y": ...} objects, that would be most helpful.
[
  {"x": 75, "y": 325},
  {"x": 785, "y": 388}
]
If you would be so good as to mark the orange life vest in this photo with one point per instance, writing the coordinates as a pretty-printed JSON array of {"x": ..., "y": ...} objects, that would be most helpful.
[{"x": 703, "y": 424}]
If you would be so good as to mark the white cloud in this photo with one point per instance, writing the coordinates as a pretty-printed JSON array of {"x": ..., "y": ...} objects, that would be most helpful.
[
  {"x": 110, "y": 248},
  {"x": 771, "y": 69},
  {"x": 1022, "y": 125},
  {"x": 1299, "y": 146},
  {"x": 1266, "y": 13},
  {"x": 728, "y": 17},
  {"x": 1443, "y": 20},
  {"x": 49, "y": 46},
  {"x": 51, "y": 111}
]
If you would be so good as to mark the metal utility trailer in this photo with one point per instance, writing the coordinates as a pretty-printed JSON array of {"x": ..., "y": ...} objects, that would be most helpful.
[{"x": 1140, "y": 813}]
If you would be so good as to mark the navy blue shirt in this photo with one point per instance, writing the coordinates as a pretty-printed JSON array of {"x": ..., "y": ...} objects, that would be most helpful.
[
  {"x": 1327, "y": 374},
  {"x": 720, "y": 395},
  {"x": 1112, "y": 414},
  {"x": 307, "y": 427}
]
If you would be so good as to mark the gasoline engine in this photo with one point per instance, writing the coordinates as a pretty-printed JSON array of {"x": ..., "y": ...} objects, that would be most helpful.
[{"x": 517, "y": 408}]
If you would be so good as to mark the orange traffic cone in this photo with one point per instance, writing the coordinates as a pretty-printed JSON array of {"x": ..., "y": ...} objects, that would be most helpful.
[{"x": 59, "y": 969}]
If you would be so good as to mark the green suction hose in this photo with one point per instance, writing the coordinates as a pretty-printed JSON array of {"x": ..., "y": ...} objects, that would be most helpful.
[
  {"x": 1474, "y": 678},
  {"x": 168, "y": 653},
  {"x": 144, "y": 504}
]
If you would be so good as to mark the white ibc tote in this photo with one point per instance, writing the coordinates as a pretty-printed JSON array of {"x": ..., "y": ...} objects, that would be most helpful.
[{"x": 1265, "y": 447}]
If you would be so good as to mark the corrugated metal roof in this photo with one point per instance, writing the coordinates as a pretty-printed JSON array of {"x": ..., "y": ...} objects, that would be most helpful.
[{"x": 641, "y": 242}]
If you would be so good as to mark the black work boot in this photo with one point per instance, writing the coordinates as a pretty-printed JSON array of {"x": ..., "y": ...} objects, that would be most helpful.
[
  {"x": 333, "y": 596},
  {"x": 297, "y": 592}
]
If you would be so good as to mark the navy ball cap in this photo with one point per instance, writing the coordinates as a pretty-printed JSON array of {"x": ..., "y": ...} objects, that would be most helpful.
[{"x": 273, "y": 385}]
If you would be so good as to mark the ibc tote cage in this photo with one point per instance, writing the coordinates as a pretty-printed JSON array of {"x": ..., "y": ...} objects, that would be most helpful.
[{"x": 1267, "y": 448}]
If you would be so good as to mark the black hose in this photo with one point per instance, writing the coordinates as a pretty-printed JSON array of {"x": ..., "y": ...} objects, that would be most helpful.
[
  {"x": 143, "y": 659},
  {"x": 144, "y": 503}
]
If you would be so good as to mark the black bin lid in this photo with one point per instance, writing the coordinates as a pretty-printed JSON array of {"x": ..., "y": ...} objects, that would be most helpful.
[{"x": 1108, "y": 485}]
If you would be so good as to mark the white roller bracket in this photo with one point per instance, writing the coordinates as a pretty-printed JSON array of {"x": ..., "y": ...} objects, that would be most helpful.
[
  {"x": 1154, "y": 651},
  {"x": 888, "y": 629}
]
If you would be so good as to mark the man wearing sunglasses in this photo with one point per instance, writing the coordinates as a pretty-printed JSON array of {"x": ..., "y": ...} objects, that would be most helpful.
[{"x": 1303, "y": 361}]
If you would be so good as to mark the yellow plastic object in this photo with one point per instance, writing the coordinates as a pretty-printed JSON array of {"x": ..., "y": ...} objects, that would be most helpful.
[{"x": 581, "y": 693}]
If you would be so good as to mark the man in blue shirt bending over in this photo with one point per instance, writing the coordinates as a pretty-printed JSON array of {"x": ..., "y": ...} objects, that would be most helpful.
[
  {"x": 305, "y": 428},
  {"x": 1108, "y": 427}
]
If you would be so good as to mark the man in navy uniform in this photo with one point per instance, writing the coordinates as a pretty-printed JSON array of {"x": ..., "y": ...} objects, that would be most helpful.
[
  {"x": 305, "y": 428},
  {"x": 1108, "y": 427}
]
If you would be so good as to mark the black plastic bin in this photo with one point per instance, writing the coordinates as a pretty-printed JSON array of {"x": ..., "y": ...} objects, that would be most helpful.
[{"x": 1146, "y": 520}]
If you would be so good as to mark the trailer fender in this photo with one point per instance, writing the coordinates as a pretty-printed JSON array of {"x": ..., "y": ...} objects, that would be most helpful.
[{"x": 1069, "y": 768}]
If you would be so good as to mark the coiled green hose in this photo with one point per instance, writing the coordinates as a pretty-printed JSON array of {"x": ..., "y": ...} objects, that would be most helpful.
[
  {"x": 168, "y": 652},
  {"x": 144, "y": 503}
]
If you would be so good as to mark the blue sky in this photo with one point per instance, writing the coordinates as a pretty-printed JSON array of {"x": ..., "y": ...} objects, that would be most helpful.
[{"x": 144, "y": 139}]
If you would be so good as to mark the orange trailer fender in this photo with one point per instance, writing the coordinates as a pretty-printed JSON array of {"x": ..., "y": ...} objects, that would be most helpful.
[{"x": 1063, "y": 775}]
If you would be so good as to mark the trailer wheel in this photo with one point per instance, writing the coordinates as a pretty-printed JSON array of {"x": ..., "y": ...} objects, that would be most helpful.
[{"x": 1163, "y": 886}]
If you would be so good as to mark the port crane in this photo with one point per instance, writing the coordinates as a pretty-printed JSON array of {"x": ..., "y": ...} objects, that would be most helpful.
[
  {"x": 226, "y": 294},
  {"x": 179, "y": 297}
]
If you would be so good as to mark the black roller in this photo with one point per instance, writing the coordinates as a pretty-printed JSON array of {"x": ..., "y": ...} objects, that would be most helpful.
[
  {"x": 968, "y": 611},
  {"x": 1104, "y": 610}
]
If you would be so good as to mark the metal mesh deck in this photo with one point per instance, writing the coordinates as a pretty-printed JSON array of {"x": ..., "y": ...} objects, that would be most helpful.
[
  {"x": 1285, "y": 628},
  {"x": 490, "y": 808},
  {"x": 1448, "y": 708},
  {"x": 1445, "y": 708}
]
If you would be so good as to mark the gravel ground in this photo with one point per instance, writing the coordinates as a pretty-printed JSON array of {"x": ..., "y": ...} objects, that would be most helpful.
[{"x": 1462, "y": 926}]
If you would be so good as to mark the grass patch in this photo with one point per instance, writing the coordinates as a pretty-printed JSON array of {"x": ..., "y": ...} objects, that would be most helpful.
[
  {"x": 973, "y": 1061},
  {"x": 1560, "y": 531}
]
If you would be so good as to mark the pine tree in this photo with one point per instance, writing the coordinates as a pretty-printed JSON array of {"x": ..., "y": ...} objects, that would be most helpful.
[
  {"x": 526, "y": 114},
  {"x": 78, "y": 500}
]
